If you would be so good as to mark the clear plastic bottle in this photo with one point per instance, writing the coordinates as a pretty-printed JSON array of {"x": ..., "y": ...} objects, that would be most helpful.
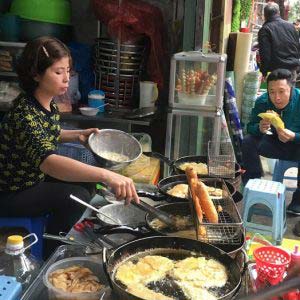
[{"x": 14, "y": 262}]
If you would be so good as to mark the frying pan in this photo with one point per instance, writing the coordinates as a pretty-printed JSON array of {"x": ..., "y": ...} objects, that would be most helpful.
[
  {"x": 174, "y": 248},
  {"x": 175, "y": 164},
  {"x": 177, "y": 208},
  {"x": 165, "y": 184}
]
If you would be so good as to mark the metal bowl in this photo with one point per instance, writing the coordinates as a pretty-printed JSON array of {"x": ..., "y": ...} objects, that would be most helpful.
[{"x": 114, "y": 141}]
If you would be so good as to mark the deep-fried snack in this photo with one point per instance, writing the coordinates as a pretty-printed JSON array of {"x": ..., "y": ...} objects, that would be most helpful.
[
  {"x": 200, "y": 168},
  {"x": 147, "y": 269},
  {"x": 200, "y": 272},
  {"x": 206, "y": 203},
  {"x": 75, "y": 279},
  {"x": 179, "y": 190},
  {"x": 143, "y": 292},
  {"x": 273, "y": 117}
]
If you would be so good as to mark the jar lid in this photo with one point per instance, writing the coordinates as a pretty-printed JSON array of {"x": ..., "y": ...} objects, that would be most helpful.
[
  {"x": 14, "y": 243},
  {"x": 14, "y": 239}
]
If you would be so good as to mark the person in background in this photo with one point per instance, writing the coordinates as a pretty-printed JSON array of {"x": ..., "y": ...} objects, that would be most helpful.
[
  {"x": 263, "y": 139},
  {"x": 278, "y": 43},
  {"x": 34, "y": 179}
]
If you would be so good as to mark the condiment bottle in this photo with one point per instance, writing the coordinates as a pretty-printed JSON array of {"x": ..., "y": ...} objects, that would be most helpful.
[{"x": 14, "y": 262}]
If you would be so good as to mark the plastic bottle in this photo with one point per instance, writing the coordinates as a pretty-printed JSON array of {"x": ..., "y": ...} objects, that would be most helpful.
[
  {"x": 14, "y": 262},
  {"x": 295, "y": 259}
]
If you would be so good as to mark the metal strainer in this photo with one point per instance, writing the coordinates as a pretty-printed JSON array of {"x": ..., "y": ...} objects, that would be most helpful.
[{"x": 117, "y": 143}]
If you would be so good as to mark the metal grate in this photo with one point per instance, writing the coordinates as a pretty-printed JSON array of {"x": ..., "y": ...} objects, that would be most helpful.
[
  {"x": 229, "y": 228},
  {"x": 221, "y": 160}
]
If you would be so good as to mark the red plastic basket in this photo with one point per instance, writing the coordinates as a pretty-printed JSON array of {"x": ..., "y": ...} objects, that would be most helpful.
[{"x": 271, "y": 263}]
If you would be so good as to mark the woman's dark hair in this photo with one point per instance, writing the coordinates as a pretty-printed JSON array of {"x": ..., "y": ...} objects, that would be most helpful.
[
  {"x": 280, "y": 74},
  {"x": 271, "y": 10},
  {"x": 38, "y": 55}
]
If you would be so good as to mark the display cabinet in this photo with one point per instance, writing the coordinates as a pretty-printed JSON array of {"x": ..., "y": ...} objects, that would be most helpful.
[{"x": 197, "y": 80}]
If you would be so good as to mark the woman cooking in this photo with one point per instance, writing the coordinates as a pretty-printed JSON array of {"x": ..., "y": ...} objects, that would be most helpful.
[{"x": 34, "y": 179}]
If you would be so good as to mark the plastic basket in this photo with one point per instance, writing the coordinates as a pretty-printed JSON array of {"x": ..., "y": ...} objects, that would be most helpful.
[
  {"x": 271, "y": 263},
  {"x": 78, "y": 152}
]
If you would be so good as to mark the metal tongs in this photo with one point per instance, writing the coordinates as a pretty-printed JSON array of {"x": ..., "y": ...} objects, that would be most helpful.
[{"x": 161, "y": 215}]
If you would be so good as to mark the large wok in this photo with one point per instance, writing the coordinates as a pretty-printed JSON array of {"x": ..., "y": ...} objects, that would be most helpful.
[
  {"x": 174, "y": 248},
  {"x": 165, "y": 184},
  {"x": 175, "y": 166},
  {"x": 177, "y": 208}
]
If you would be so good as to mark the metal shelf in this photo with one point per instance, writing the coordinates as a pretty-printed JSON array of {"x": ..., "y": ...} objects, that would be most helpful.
[
  {"x": 9, "y": 74},
  {"x": 12, "y": 44}
]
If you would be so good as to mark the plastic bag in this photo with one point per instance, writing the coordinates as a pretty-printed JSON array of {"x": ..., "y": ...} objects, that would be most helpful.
[{"x": 135, "y": 18}]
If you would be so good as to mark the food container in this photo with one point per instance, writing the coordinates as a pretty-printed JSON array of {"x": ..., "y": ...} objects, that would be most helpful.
[
  {"x": 96, "y": 99},
  {"x": 110, "y": 146},
  {"x": 89, "y": 111},
  {"x": 197, "y": 80},
  {"x": 58, "y": 294}
]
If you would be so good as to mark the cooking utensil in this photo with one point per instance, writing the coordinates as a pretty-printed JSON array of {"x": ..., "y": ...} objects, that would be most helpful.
[
  {"x": 167, "y": 183},
  {"x": 226, "y": 232},
  {"x": 114, "y": 141},
  {"x": 172, "y": 247},
  {"x": 91, "y": 207},
  {"x": 70, "y": 240},
  {"x": 149, "y": 209},
  {"x": 126, "y": 215},
  {"x": 175, "y": 166}
]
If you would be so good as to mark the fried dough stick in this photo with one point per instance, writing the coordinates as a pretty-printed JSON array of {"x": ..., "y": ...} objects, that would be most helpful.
[
  {"x": 192, "y": 179},
  {"x": 206, "y": 203}
]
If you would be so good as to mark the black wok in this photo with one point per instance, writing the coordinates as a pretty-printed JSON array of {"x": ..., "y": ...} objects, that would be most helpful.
[
  {"x": 175, "y": 165},
  {"x": 174, "y": 248},
  {"x": 167, "y": 183}
]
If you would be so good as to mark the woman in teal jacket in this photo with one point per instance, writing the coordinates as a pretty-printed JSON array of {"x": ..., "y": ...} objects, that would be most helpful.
[{"x": 263, "y": 139}]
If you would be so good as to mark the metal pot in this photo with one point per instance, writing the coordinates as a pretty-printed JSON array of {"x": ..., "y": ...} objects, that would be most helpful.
[
  {"x": 177, "y": 248},
  {"x": 114, "y": 141}
]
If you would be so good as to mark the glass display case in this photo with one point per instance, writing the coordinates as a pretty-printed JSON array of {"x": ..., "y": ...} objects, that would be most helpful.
[{"x": 197, "y": 80}]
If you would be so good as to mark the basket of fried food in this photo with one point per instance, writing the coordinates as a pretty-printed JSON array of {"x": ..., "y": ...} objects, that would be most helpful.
[
  {"x": 216, "y": 220},
  {"x": 75, "y": 278}
]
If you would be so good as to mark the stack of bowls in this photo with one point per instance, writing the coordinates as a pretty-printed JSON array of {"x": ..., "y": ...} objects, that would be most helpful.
[{"x": 43, "y": 17}]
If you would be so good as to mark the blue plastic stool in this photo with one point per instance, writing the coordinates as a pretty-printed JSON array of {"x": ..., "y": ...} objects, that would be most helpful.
[
  {"x": 280, "y": 167},
  {"x": 32, "y": 225},
  {"x": 10, "y": 289},
  {"x": 270, "y": 196}
]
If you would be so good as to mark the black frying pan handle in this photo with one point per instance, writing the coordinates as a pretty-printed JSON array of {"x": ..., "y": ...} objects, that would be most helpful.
[
  {"x": 160, "y": 157},
  {"x": 156, "y": 196},
  {"x": 105, "y": 268}
]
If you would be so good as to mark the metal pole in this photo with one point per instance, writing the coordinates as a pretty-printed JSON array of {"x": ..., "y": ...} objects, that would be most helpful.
[{"x": 117, "y": 82}]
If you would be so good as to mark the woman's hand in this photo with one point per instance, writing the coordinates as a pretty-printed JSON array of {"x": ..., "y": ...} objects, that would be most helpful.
[
  {"x": 285, "y": 135},
  {"x": 123, "y": 187},
  {"x": 84, "y": 135},
  {"x": 264, "y": 125}
]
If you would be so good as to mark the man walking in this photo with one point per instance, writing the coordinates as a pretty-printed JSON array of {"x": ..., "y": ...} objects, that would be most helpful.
[{"x": 278, "y": 43}]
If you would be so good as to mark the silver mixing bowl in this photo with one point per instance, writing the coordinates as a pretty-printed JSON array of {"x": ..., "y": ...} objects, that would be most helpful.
[{"x": 115, "y": 141}]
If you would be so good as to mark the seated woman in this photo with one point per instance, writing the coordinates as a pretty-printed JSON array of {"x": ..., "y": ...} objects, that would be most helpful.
[{"x": 34, "y": 179}]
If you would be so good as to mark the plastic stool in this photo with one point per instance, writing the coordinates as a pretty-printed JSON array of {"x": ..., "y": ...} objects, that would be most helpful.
[
  {"x": 33, "y": 225},
  {"x": 280, "y": 167},
  {"x": 271, "y": 195}
]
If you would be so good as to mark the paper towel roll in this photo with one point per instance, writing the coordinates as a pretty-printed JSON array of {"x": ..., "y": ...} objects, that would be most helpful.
[{"x": 241, "y": 63}]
